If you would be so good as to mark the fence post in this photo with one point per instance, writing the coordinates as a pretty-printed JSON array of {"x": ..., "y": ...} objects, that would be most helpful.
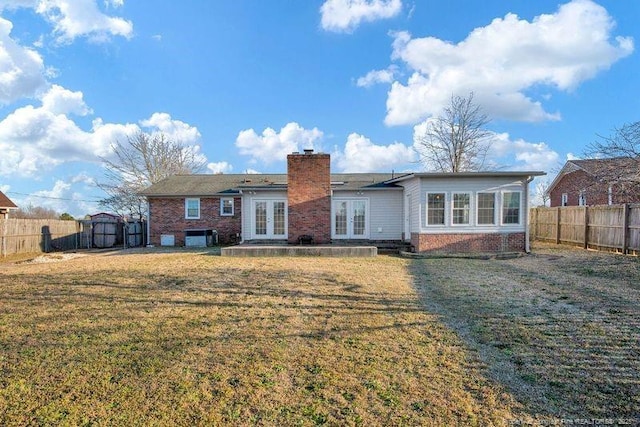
[
  {"x": 558, "y": 225},
  {"x": 3, "y": 243},
  {"x": 586, "y": 227},
  {"x": 625, "y": 228}
]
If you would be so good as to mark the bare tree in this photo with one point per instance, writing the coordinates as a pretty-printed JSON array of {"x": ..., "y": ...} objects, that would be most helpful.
[
  {"x": 35, "y": 212},
  {"x": 623, "y": 147},
  {"x": 140, "y": 161},
  {"x": 542, "y": 191},
  {"x": 456, "y": 141}
]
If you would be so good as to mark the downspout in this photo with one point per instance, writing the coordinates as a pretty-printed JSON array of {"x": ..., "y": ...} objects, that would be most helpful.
[
  {"x": 527, "y": 246},
  {"x": 242, "y": 216},
  {"x": 148, "y": 223}
]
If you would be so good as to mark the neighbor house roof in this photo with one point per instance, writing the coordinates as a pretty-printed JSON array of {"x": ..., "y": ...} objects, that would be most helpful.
[
  {"x": 597, "y": 168},
  {"x": 6, "y": 203},
  {"x": 229, "y": 184}
]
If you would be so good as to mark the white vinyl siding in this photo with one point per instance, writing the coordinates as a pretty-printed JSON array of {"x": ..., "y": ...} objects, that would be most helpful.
[
  {"x": 451, "y": 185},
  {"x": 384, "y": 212},
  {"x": 192, "y": 208}
]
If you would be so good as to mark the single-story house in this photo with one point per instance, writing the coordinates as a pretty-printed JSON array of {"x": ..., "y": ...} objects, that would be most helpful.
[
  {"x": 596, "y": 182},
  {"x": 6, "y": 205},
  {"x": 454, "y": 212}
]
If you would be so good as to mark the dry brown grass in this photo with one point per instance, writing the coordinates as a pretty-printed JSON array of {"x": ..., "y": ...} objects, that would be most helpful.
[
  {"x": 188, "y": 338},
  {"x": 560, "y": 328}
]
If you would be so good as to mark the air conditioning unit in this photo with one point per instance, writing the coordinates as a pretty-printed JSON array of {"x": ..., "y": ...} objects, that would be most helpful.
[{"x": 167, "y": 240}]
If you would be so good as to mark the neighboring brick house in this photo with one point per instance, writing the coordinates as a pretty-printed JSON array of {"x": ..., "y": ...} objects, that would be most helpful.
[
  {"x": 594, "y": 182},
  {"x": 6, "y": 205},
  {"x": 455, "y": 212}
]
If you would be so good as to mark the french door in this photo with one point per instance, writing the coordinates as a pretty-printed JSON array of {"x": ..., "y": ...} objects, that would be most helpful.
[
  {"x": 350, "y": 219},
  {"x": 270, "y": 219}
]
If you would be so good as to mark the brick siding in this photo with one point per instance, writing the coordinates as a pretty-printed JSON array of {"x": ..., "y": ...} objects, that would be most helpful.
[
  {"x": 168, "y": 217},
  {"x": 465, "y": 243},
  {"x": 309, "y": 196},
  {"x": 575, "y": 182}
]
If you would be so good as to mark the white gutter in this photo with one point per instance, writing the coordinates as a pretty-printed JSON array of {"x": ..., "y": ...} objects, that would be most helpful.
[{"x": 527, "y": 246}]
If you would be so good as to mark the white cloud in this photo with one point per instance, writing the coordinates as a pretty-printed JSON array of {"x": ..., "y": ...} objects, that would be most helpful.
[
  {"x": 346, "y": 15},
  {"x": 5, "y": 187},
  {"x": 174, "y": 129},
  {"x": 59, "y": 100},
  {"x": 362, "y": 155},
  {"x": 506, "y": 153},
  {"x": 502, "y": 61},
  {"x": 219, "y": 167},
  {"x": 77, "y": 18},
  {"x": 518, "y": 154},
  {"x": 37, "y": 138},
  {"x": 21, "y": 69},
  {"x": 273, "y": 146},
  {"x": 61, "y": 198},
  {"x": 378, "y": 76},
  {"x": 84, "y": 178}
]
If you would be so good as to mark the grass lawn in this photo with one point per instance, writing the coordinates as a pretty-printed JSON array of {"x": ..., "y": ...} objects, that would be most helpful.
[
  {"x": 560, "y": 329},
  {"x": 134, "y": 338},
  {"x": 149, "y": 337}
]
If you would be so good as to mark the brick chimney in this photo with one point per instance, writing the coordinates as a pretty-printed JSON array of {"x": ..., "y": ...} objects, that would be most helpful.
[{"x": 309, "y": 196}]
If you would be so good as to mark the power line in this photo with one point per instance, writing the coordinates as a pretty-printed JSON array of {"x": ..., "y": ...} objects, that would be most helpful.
[{"x": 55, "y": 198}]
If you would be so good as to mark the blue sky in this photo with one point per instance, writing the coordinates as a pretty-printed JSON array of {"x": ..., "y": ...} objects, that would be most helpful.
[{"x": 249, "y": 81}]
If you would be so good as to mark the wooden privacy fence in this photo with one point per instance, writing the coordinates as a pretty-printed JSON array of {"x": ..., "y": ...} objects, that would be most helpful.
[
  {"x": 42, "y": 235},
  {"x": 614, "y": 227}
]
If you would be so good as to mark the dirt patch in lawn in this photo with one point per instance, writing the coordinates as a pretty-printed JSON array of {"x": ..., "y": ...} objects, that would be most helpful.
[
  {"x": 184, "y": 338},
  {"x": 560, "y": 329}
]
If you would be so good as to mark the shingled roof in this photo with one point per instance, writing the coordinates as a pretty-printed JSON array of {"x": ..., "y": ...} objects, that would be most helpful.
[
  {"x": 227, "y": 184},
  {"x": 6, "y": 203},
  {"x": 614, "y": 169}
]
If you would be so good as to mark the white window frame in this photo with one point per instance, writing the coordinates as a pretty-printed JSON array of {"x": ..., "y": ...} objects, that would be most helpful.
[
  {"x": 186, "y": 208},
  {"x": 610, "y": 195},
  {"x": 564, "y": 199},
  {"x": 582, "y": 198},
  {"x": 508, "y": 224},
  {"x": 495, "y": 210},
  {"x": 453, "y": 208},
  {"x": 222, "y": 201},
  {"x": 444, "y": 210}
]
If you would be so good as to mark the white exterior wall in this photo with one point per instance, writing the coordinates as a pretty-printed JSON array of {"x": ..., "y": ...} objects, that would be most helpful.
[
  {"x": 417, "y": 189},
  {"x": 385, "y": 211},
  {"x": 412, "y": 194},
  {"x": 247, "y": 208}
]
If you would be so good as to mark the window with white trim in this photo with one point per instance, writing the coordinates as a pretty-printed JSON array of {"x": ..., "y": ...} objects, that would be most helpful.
[
  {"x": 565, "y": 199},
  {"x": 435, "y": 208},
  {"x": 460, "y": 208},
  {"x": 226, "y": 206},
  {"x": 610, "y": 195},
  {"x": 486, "y": 207},
  {"x": 582, "y": 198},
  {"x": 511, "y": 207},
  {"x": 192, "y": 208}
]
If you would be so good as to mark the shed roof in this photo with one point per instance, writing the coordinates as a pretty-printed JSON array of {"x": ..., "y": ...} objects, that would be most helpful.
[{"x": 6, "y": 203}]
